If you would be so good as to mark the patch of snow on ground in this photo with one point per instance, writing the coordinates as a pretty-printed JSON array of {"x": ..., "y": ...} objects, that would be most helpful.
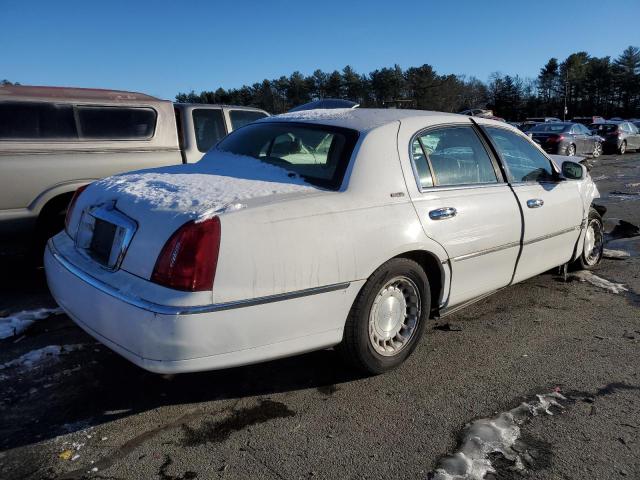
[
  {"x": 218, "y": 183},
  {"x": 609, "y": 253},
  {"x": 18, "y": 322},
  {"x": 587, "y": 276},
  {"x": 35, "y": 358},
  {"x": 492, "y": 435},
  {"x": 318, "y": 114}
]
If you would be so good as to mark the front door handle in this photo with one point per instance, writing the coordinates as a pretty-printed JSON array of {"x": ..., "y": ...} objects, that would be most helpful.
[
  {"x": 442, "y": 213},
  {"x": 535, "y": 203}
]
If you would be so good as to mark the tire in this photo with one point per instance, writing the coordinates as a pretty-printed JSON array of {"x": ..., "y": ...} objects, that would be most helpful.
[
  {"x": 622, "y": 148},
  {"x": 571, "y": 150},
  {"x": 373, "y": 341},
  {"x": 593, "y": 245},
  {"x": 597, "y": 150}
]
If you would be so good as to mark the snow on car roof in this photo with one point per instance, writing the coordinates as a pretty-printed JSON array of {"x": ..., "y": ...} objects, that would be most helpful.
[{"x": 361, "y": 119}]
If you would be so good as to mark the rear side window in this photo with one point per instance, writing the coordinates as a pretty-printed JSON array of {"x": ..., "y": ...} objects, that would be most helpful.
[
  {"x": 116, "y": 123},
  {"x": 50, "y": 121},
  {"x": 208, "y": 125},
  {"x": 32, "y": 121},
  {"x": 239, "y": 118},
  {"x": 451, "y": 156},
  {"x": 524, "y": 162}
]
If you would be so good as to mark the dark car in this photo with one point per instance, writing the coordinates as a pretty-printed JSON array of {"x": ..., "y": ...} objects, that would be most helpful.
[
  {"x": 526, "y": 126},
  {"x": 618, "y": 136},
  {"x": 566, "y": 138}
]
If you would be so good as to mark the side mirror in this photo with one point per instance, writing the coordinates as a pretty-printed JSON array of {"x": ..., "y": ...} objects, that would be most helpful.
[{"x": 572, "y": 170}]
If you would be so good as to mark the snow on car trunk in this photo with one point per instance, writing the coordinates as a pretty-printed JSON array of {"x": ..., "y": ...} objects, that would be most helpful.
[{"x": 160, "y": 200}]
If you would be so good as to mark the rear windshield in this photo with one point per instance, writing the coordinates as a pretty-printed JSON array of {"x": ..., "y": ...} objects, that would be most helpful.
[
  {"x": 318, "y": 153},
  {"x": 551, "y": 128},
  {"x": 604, "y": 127}
]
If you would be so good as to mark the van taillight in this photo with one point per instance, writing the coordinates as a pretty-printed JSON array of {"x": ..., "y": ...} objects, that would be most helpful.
[
  {"x": 189, "y": 259},
  {"x": 72, "y": 204}
]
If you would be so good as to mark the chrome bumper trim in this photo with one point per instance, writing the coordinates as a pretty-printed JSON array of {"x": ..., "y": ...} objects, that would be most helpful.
[{"x": 189, "y": 309}]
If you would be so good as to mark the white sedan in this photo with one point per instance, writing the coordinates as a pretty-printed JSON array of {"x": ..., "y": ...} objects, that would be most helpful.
[{"x": 313, "y": 229}]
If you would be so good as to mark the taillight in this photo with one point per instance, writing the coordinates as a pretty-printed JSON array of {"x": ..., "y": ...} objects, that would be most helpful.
[
  {"x": 72, "y": 204},
  {"x": 555, "y": 138},
  {"x": 189, "y": 259}
]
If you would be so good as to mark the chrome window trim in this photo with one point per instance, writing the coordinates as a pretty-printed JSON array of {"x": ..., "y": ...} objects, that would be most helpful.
[
  {"x": 188, "y": 309},
  {"x": 462, "y": 186}
]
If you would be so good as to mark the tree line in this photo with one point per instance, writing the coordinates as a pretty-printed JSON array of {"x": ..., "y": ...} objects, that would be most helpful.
[{"x": 586, "y": 85}]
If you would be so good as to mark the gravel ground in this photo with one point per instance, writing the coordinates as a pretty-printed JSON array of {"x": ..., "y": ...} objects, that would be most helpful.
[{"x": 94, "y": 415}]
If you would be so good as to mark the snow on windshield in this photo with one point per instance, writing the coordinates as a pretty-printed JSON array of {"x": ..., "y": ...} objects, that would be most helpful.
[{"x": 218, "y": 183}]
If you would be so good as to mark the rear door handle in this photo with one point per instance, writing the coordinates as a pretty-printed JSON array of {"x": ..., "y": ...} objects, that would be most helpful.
[
  {"x": 535, "y": 203},
  {"x": 442, "y": 213}
]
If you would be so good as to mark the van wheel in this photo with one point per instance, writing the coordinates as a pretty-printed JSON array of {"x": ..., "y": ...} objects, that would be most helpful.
[
  {"x": 50, "y": 222},
  {"x": 388, "y": 317},
  {"x": 593, "y": 245}
]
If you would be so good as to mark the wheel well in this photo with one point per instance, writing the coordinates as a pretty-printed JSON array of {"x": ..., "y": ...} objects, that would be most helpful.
[
  {"x": 54, "y": 206},
  {"x": 433, "y": 268}
]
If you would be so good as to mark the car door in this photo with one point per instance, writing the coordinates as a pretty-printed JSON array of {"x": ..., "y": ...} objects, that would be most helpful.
[
  {"x": 589, "y": 140},
  {"x": 465, "y": 205},
  {"x": 634, "y": 135},
  {"x": 579, "y": 138},
  {"x": 551, "y": 207}
]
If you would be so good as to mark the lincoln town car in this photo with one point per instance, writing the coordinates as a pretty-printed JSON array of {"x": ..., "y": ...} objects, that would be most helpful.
[{"x": 345, "y": 228}]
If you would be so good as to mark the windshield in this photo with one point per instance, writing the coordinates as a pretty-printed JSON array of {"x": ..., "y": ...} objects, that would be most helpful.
[
  {"x": 319, "y": 154},
  {"x": 551, "y": 128}
]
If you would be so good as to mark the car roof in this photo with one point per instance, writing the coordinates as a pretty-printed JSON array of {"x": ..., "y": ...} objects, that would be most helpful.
[
  {"x": 365, "y": 119},
  {"x": 44, "y": 93},
  {"x": 218, "y": 105}
]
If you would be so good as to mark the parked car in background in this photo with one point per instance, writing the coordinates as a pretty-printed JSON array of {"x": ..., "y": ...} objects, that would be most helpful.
[
  {"x": 481, "y": 112},
  {"x": 566, "y": 138},
  {"x": 54, "y": 140},
  {"x": 618, "y": 136},
  {"x": 527, "y": 126},
  {"x": 586, "y": 121},
  {"x": 316, "y": 229},
  {"x": 543, "y": 119},
  {"x": 636, "y": 123}
]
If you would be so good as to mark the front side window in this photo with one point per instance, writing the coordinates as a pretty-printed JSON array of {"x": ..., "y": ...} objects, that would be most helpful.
[
  {"x": 524, "y": 162},
  {"x": 116, "y": 123},
  {"x": 208, "y": 125},
  {"x": 37, "y": 121},
  {"x": 317, "y": 153},
  {"x": 452, "y": 156},
  {"x": 240, "y": 118}
]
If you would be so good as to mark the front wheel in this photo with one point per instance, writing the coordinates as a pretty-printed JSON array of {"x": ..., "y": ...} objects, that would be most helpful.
[
  {"x": 388, "y": 317},
  {"x": 593, "y": 245},
  {"x": 622, "y": 148}
]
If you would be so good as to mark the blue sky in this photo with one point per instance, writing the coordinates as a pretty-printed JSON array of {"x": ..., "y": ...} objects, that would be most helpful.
[{"x": 161, "y": 47}]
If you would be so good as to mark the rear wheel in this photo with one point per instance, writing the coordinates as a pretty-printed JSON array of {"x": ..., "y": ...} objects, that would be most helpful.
[
  {"x": 571, "y": 150},
  {"x": 597, "y": 150},
  {"x": 622, "y": 148},
  {"x": 593, "y": 244},
  {"x": 388, "y": 317}
]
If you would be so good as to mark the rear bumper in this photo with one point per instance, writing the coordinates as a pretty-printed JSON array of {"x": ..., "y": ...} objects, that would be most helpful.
[{"x": 176, "y": 339}]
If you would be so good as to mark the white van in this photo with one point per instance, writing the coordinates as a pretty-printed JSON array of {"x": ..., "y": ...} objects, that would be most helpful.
[{"x": 54, "y": 140}]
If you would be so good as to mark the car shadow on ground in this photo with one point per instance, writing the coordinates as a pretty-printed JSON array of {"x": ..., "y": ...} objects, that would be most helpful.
[{"x": 93, "y": 386}]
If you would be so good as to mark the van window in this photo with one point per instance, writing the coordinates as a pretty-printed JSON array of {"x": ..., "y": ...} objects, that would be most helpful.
[
  {"x": 208, "y": 125},
  {"x": 34, "y": 120},
  {"x": 116, "y": 123},
  {"x": 239, "y": 118}
]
